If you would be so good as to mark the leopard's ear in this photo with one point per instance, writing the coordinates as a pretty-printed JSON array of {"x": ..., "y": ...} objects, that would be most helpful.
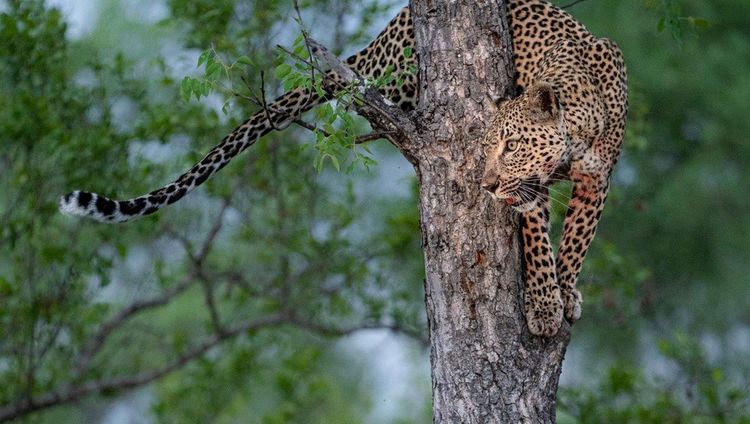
[
  {"x": 543, "y": 103},
  {"x": 493, "y": 103}
]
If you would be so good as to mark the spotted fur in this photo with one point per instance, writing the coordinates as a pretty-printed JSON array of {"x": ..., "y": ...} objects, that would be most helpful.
[
  {"x": 568, "y": 123},
  {"x": 386, "y": 51}
]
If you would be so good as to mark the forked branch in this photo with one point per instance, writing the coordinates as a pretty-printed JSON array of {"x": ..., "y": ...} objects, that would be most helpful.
[{"x": 382, "y": 114}]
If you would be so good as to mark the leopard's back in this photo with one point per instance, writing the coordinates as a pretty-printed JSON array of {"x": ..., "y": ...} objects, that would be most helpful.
[{"x": 535, "y": 25}]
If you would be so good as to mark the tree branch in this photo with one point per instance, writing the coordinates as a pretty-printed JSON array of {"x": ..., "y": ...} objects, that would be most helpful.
[
  {"x": 345, "y": 331},
  {"x": 366, "y": 138},
  {"x": 381, "y": 113},
  {"x": 569, "y": 5},
  {"x": 72, "y": 393},
  {"x": 95, "y": 343}
]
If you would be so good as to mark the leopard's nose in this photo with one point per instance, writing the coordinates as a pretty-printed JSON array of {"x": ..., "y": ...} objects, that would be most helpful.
[{"x": 490, "y": 186}]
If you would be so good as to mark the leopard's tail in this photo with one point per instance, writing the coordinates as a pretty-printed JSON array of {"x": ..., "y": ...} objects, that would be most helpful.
[{"x": 277, "y": 115}]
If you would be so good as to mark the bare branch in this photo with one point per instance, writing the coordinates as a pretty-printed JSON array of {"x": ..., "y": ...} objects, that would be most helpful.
[
  {"x": 366, "y": 138},
  {"x": 269, "y": 109},
  {"x": 72, "y": 393},
  {"x": 95, "y": 343},
  {"x": 345, "y": 331},
  {"x": 252, "y": 99},
  {"x": 358, "y": 140},
  {"x": 381, "y": 113},
  {"x": 572, "y": 4},
  {"x": 305, "y": 34},
  {"x": 263, "y": 100},
  {"x": 213, "y": 311},
  {"x": 215, "y": 228},
  {"x": 236, "y": 279},
  {"x": 382, "y": 108},
  {"x": 208, "y": 297}
]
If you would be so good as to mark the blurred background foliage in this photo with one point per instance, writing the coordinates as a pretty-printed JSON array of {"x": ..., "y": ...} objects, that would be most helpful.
[{"x": 305, "y": 287}]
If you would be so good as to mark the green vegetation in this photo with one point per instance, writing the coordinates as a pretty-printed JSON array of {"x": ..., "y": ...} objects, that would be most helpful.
[{"x": 272, "y": 265}]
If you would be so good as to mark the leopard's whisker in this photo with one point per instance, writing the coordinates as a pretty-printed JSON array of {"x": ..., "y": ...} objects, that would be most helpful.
[
  {"x": 547, "y": 187},
  {"x": 552, "y": 189},
  {"x": 540, "y": 194}
]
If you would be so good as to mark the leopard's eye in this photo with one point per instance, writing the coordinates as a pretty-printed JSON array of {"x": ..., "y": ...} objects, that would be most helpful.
[{"x": 511, "y": 145}]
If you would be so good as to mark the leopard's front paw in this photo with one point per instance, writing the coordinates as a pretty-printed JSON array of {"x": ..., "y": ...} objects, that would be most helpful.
[
  {"x": 544, "y": 316},
  {"x": 573, "y": 301}
]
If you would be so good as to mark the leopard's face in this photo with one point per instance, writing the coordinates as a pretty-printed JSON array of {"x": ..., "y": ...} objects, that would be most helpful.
[{"x": 527, "y": 143}]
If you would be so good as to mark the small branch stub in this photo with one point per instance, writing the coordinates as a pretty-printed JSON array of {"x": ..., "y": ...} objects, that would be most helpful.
[{"x": 383, "y": 115}]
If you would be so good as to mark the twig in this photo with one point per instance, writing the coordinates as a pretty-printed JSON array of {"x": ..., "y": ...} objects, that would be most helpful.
[
  {"x": 214, "y": 230},
  {"x": 337, "y": 85},
  {"x": 373, "y": 136},
  {"x": 213, "y": 312},
  {"x": 350, "y": 78},
  {"x": 375, "y": 108},
  {"x": 253, "y": 99},
  {"x": 263, "y": 100},
  {"x": 345, "y": 331},
  {"x": 305, "y": 36},
  {"x": 71, "y": 393},
  {"x": 95, "y": 343},
  {"x": 572, "y": 4},
  {"x": 206, "y": 283},
  {"x": 269, "y": 109},
  {"x": 358, "y": 140}
]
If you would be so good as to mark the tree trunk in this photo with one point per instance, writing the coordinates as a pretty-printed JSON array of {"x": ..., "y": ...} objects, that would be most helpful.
[{"x": 486, "y": 366}]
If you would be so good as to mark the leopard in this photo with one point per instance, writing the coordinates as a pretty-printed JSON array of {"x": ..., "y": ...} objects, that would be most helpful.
[{"x": 567, "y": 123}]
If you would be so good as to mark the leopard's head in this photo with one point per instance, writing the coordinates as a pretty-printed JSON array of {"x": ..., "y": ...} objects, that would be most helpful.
[{"x": 526, "y": 142}]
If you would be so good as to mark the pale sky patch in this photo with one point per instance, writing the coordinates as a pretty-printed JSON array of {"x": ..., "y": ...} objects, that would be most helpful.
[{"x": 81, "y": 16}]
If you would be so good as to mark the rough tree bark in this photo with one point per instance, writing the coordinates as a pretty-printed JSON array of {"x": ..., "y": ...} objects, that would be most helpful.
[{"x": 486, "y": 366}]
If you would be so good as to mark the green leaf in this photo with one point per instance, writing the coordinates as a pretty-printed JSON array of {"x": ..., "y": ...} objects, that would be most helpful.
[
  {"x": 348, "y": 120},
  {"x": 204, "y": 57},
  {"x": 213, "y": 70},
  {"x": 195, "y": 88},
  {"x": 319, "y": 90},
  {"x": 245, "y": 60},
  {"x": 6, "y": 289},
  {"x": 185, "y": 88},
  {"x": 282, "y": 71},
  {"x": 335, "y": 162},
  {"x": 698, "y": 22}
]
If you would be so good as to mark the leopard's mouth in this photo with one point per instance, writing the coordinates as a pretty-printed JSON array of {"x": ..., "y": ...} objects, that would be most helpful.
[
  {"x": 526, "y": 195},
  {"x": 521, "y": 195}
]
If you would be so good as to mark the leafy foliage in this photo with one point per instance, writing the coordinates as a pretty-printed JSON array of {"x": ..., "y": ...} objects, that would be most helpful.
[
  {"x": 665, "y": 285},
  {"x": 297, "y": 250},
  {"x": 702, "y": 394},
  {"x": 674, "y": 20}
]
